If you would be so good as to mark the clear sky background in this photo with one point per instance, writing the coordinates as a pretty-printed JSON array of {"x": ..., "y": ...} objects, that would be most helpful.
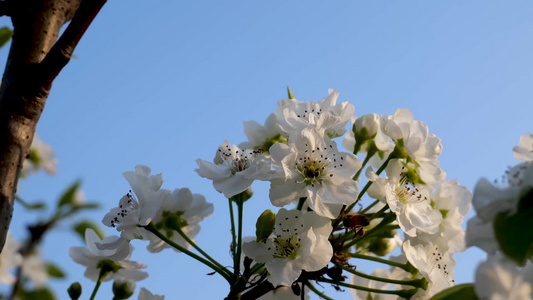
[{"x": 163, "y": 83}]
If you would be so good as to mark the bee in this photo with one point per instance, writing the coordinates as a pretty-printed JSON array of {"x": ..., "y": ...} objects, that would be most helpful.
[{"x": 356, "y": 222}]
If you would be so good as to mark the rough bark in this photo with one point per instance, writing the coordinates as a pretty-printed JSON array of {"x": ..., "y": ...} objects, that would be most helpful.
[{"x": 35, "y": 59}]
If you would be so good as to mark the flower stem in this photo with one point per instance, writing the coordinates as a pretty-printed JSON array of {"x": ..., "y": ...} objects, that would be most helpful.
[
  {"x": 369, "y": 183},
  {"x": 178, "y": 229},
  {"x": 418, "y": 283},
  {"x": 240, "y": 208},
  {"x": 378, "y": 228},
  {"x": 301, "y": 203},
  {"x": 233, "y": 235},
  {"x": 368, "y": 156},
  {"x": 101, "y": 276},
  {"x": 407, "y": 294},
  {"x": 316, "y": 291},
  {"x": 407, "y": 266},
  {"x": 150, "y": 227}
]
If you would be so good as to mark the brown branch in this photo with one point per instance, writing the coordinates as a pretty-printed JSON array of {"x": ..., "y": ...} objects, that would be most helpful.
[{"x": 35, "y": 59}]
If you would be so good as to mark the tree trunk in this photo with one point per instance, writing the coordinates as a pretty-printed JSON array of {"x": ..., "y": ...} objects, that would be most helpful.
[{"x": 35, "y": 59}]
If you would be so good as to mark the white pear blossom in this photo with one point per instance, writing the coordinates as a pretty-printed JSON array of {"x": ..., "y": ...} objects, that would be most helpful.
[
  {"x": 112, "y": 248},
  {"x": 41, "y": 156},
  {"x": 368, "y": 129},
  {"x": 453, "y": 201},
  {"x": 10, "y": 258},
  {"x": 145, "y": 294},
  {"x": 314, "y": 169},
  {"x": 436, "y": 266},
  {"x": 500, "y": 279},
  {"x": 489, "y": 200},
  {"x": 190, "y": 208},
  {"x": 263, "y": 137},
  {"x": 410, "y": 203},
  {"x": 325, "y": 116},
  {"x": 299, "y": 242},
  {"x": 139, "y": 207},
  {"x": 234, "y": 169},
  {"x": 420, "y": 145},
  {"x": 524, "y": 150}
]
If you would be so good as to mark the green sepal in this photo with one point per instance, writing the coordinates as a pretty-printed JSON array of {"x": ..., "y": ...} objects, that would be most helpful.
[
  {"x": 513, "y": 232},
  {"x": 5, "y": 35},
  {"x": 289, "y": 92},
  {"x": 108, "y": 266},
  {"x": 68, "y": 196},
  {"x": 170, "y": 222},
  {"x": 54, "y": 271},
  {"x": 265, "y": 225},
  {"x": 460, "y": 291},
  {"x": 83, "y": 225}
]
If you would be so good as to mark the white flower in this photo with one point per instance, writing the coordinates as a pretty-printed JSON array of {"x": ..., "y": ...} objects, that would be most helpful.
[
  {"x": 368, "y": 128},
  {"x": 410, "y": 203},
  {"x": 41, "y": 156},
  {"x": 34, "y": 268},
  {"x": 300, "y": 242},
  {"x": 145, "y": 294},
  {"x": 453, "y": 201},
  {"x": 234, "y": 169},
  {"x": 490, "y": 200},
  {"x": 189, "y": 208},
  {"x": 500, "y": 279},
  {"x": 10, "y": 258},
  {"x": 263, "y": 137},
  {"x": 436, "y": 266},
  {"x": 326, "y": 116},
  {"x": 112, "y": 248},
  {"x": 138, "y": 208},
  {"x": 422, "y": 146},
  {"x": 314, "y": 169},
  {"x": 524, "y": 150}
]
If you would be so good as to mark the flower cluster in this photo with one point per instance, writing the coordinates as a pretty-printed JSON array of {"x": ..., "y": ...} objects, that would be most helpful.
[{"x": 297, "y": 153}]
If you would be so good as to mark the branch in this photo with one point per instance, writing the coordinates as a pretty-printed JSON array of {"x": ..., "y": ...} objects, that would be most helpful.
[
  {"x": 62, "y": 51},
  {"x": 35, "y": 59}
]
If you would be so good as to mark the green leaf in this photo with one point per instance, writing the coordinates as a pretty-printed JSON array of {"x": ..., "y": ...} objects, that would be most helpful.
[
  {"x": 463, "y": 291},
  {"x": 68, "y": 195},
  {"x": 39, "y": 294},
  {"x": 83, "y": 225},
  {"x": 5, "y": 35},
  {"x": 31, "y": 206},
  {"x": 513, "y": 231},
  {"x": 54, "y": 271},
  {"x": 265, "y": 225}
]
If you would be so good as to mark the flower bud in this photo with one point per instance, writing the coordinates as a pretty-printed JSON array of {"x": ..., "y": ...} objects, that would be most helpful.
[
  {"x": 123, "y": 288},
  {"x": 265, "y": 225},
  {"x": 74, "y": 290},
  {"x": 367, "y": 126}
]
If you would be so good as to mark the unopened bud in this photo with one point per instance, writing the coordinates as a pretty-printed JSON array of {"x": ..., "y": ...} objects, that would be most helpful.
[
  {"x": 74, "y": 290},
  {"x": 123, "y": 288}
]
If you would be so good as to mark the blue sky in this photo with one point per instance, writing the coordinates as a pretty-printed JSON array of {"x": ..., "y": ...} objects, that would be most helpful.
[{"x": 166, "y": 82}]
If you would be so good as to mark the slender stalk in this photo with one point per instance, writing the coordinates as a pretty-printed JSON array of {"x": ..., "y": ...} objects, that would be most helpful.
[
  {"x": 368, "y": 184},
  {"x": 378, "y": 213},
  {"x": 402, "y": 293},
  {"x": 301, "y": 203},
  {"x": 150, "y": 227},
  {"x": 233, "y": 236},
  {"x": 101, "y": 276},
  {"x": 240, "y": 208},
  {"x": 407, "y": 266},
  {"x": 316, "y": 291},
  {"x": 418, "y": 283},
  {"x": 191, "y": 242},
  {"x": 255, "y": 268},
  {"x": 370, "y": 206},
  {"x": 368, "y": 156},
  {"x": 380, "y": 227}
]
